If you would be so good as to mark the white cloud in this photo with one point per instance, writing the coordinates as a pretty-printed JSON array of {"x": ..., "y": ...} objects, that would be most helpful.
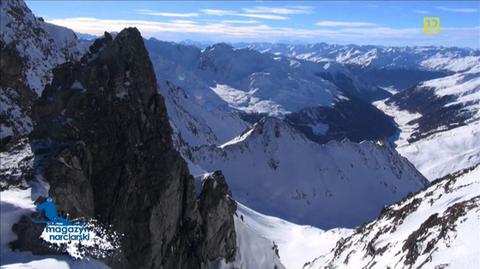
[
  {"x": 345, "y": 23},
  {"x": 459, "y": 10},
  {"x": 263, "y": 16},
  {"x": 166, "y": 14},
  {"x": 223, "y": 12},
  {"x": 183, "y": 21},
  {"x": 218, "y": 12},
  {"x": 280, "y": 10},
  {"x": 221, "y": 31},
  {"x": 240, "y": 21},
  {"x": 421, "y": 11}
]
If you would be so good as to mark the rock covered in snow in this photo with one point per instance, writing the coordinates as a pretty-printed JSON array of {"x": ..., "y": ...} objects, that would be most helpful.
[
  {"x": 275, "y": 170},
  {"x": 29, "y": 49},
  {"x": 434, "y": 228}
]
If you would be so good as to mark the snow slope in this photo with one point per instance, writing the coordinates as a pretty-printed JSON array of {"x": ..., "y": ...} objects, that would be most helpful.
[
  {"x": 296, "y": 243},
  {"x": 439, "y": 122},
  {"x": 253, "y": 250},
  {"x": 275, "y": 170},
  {"x": 441, "y": 153},
  {"x": 435, "y": 228},
  {"x": 195, "y": 125}
]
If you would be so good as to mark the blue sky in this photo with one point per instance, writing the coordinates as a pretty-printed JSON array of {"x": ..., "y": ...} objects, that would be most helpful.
[{"x": 343, "y": 22}]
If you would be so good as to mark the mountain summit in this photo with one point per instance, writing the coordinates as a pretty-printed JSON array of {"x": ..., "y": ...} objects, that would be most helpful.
[{"x": 110, "y": 156}]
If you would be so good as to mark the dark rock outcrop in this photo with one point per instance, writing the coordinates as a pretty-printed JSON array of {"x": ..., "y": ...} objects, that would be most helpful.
[
  {"x": 215, "y": 203},
  {"x": 15, "y": 96},
  {"x": 111, "y": 157}
]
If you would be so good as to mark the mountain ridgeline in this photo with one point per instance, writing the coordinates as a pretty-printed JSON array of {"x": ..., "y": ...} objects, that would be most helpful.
[
  {"x": 133, "y": 133},
  {"x": 108, "y": 153},
  {"x": 249, "y": 84}
]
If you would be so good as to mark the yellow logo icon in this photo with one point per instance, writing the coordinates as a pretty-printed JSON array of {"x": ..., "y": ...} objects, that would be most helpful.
[{"x": 431, "y": 25}]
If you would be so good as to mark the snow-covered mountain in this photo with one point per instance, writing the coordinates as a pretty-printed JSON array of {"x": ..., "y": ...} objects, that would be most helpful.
[
  {"x": 41, "y": 45},
  {"x": 435, "y": 228},
  {"x": 397, "y": 67},
  {"x": 439, "y": 122},
  {"x": 242, "y": 79},
  {"x": 428, "y": 58},
  {"x": 226, "y": 83},
  {"x": 274, "y": 169},
  {"x": 30, "y": 48},
  {"x": 294, "y": 164}
]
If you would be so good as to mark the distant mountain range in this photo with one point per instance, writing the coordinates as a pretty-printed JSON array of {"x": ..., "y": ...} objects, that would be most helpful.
[{"x": 379, "y": 145}]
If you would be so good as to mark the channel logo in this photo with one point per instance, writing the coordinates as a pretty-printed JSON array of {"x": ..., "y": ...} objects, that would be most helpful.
[{"x": 431, "y": 25}]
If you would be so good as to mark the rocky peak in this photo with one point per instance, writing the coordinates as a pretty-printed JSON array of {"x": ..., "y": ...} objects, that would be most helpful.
[
  {"x": 41, "y": 46},
  {"x": 110, "y": 156},
  {"x": 29, "y": 48},
  {"x": 271, "y": 128},
  {"x": 215, "y": 203}
]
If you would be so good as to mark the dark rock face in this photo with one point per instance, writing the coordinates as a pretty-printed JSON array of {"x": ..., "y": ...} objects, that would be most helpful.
[
  {"x": 16, "y": 99},
  {"x": 28, "y": 234},
  {"x": 15, "y": 96},
  {"x": 112, "y": 158},
  {"x": 215, "y": 202}
]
